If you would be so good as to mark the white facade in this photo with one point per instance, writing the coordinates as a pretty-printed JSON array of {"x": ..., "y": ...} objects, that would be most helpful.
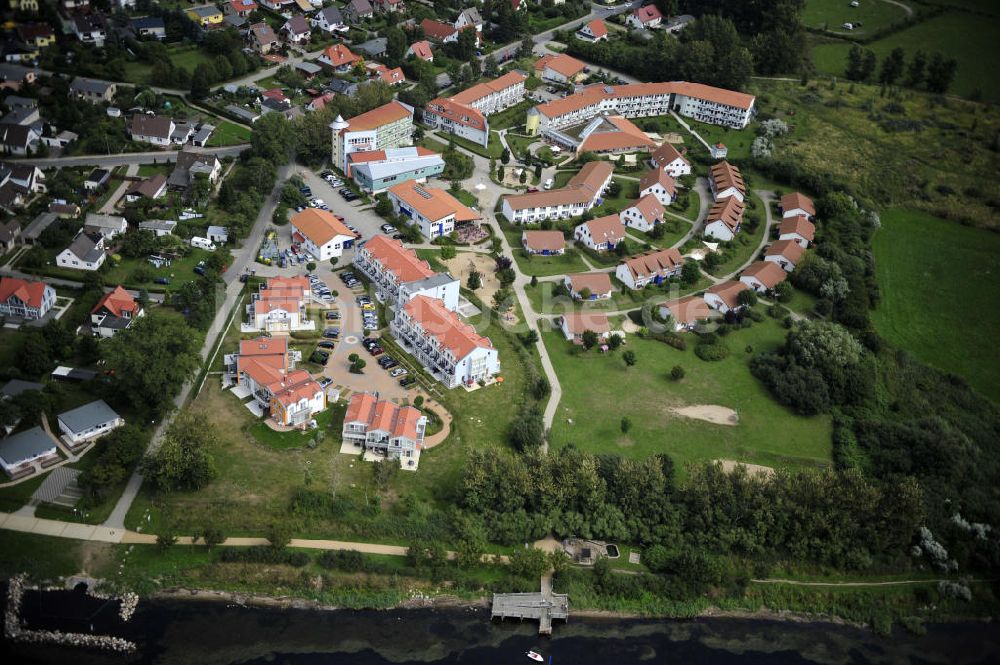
[
  {"x": 328, "y": 250},
  {"x": 676, "y": 168},
  {"x": 796, "y": 238},
  {"x": 633, "y": 218},
  {"x": 713, "y": 113},
  {"x": 719, "y": 230},
  {"x": 726, "y": 193},
  {"x": 659, "y": 191},
  {"x": 786, "y": 264},
  {"x": 396, "y": 292},
  {"x": 93, "y": 431}
]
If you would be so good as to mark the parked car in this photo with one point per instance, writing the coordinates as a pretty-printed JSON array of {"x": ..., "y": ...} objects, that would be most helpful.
[
  {"x": 325, "y": 381},
  {"x": 407, "y": 381},
  {"x": 331, "y": 333},
  {"x": 388, "y": 229},
  {"x": 161, "y": 280},
  {"x": 397, "y": 371},
  {"x": 397, "y": 236},
  {"x": 332, "y": 315},
  {"x": 200, "y": 268},
  {"x": 326, "y": 345},
  {"x": 319, "y": 357}
]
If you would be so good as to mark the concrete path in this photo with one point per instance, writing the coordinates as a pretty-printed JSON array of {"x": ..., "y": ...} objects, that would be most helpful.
[
  {"x": 125, "y": 158},
  {"x": 109, "y": 206}
]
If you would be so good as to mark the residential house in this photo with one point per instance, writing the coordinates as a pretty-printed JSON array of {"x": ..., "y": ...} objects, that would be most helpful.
[
  {"x": 189, "y": 165},
  {"x": 645, "y": 17},
  {"x": 375, "y": 171},
  {"x": 388, "y": 126},
  {"x": 329, "y": 19},
  {"x": 296, "y": 30},
  {"x": 725, "y": 296},
  {"x": 786, "y": 253},
  {"x": 150, "y": 26},
  {"x": 106, "y": 226},
  {"x": 795, "y": 205},
  {"x": 14, "y": 77},
  {"x": 206, "y": 16},
  {"x": 633, "y": 100},
  {"x": 299, "y": 398},
  {"x": 60, "y": 209},
  {"x": 280, "y": 306},
  {"x": 398, "y": 275},
  {"x": 670, "y": 160},
  {"x": 218, "y": 235},
  {"x": 21, "y": 452},
  {"x": 16, "y": 387},
  {"x": 160, "y": 227},
  {"x": 319, "y": 102},
  {"x": 386, "y": 6},
  {"x": 240, "y": 8},
  {"x": 341, "y": 87},
  {"x": 390, "y": 77},
  {"x": 594, "y": 31},
  {"x": 451, "y": 351},
  {"x": 30, "y": 234},
  {"x": 581, "y": 193},
  {"x": 357, "y": 10},
  {"x": 545, "y": 243},
  {"x": 115, "y": 311},
  {"x": 155, "y": 129},
  {"x": 321, "y": 234},
  {"x": 660, "y": 184},
  {"x": 421, "y": 50},
  {"x": 602, "y": 234},
  {"x": 18, "y": 139},
  {"x": 381, "y": 427},
  {"x": 38, "y": 35},
  {"x": 263, "y": 38},
  {"x": 650, "y": 268},
  {"x": 24, "y": 299},
  {"x": 28, "y": 117},
  {"x": 522, "y": 5},
  {"x": 560, "y": 68},
  {"x": 762, "y": 276},
  {"x": 87, "y": 422},
  {"x": 265, "y": 368},
  {"x": 607, "y": 134},
  {"x": 374, "y": 48},
  {"x": 10, "y": 231},
  {"x": 726, "y": 180},
  {"x": 96, "y": 179},
  {"x": 588, "y": 285},
  {"x": 797, "y": 229},
  {"x": 436, "y": 212},
  {"x": 86, "y": 252},
  {"x": 26, "y": 177},
  {"x": 153, "y": 187},
  {"x": 685, "y": 313},
  {"x": 90, "y": 29},
  {"x": 644, "y": 214},
  {"x": 338, "y": 57},
  {"x": 725, "y": 218},
  {"x": 444, "y": 114},
  {"x": 438, "y": 31},
  {"x": 469, "y": 18},
  {"x": 574, "y": 324},
  {"x": 12, "y": 102}
]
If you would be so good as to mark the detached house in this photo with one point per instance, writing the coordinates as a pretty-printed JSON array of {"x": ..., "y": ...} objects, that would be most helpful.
[
  {"x": 724, "y": 219},
  {"x": 667, "y": 158},
  {"x": 560, "y": 68},
  {"x": 191, "y": 164},
  {"x": 650, "y": 268},
  {"x": 262, "y": 38},
  {"x": 107, "y": 226},
  {"x": 383, "y": 428},
  {"x": 115, "y": 311},
  {"x": 469, "y": 18},
  {"x": 155, "y": 129},
  {"x": 644, "y": 214},
  {"x": 421, "y": 50},
  {"x": 86, "y": 252},
  {"x": 25, "y": 299},
  {"x": 798, "y": 229},
  {"x": 762, "y": 276},
  {"x": 685, "y": 313},
  {"x": 589, "y": 285},
  {"x": 88, "y": 422},
  {"x": 20, "y": 452},
  {"x": 338, "y": 58},
  {"x": 601, "y": 234},
  {"x": 660, "y": 184},
  {"x": 545, "y": 243},
  {"x": 645, "y": 17},
  {"x": 795, "y": 205},
  {"x": 321, "y": 234},
  {"x": 574, "y": 324},
  {"x": 387, "y": 6},
  {"x": 18, "y": 139},
  {"x": 151, "y": 188},
  {"x": 357, "y": 10},
  {"x": 240, "y": 8},
  {"x": 725, "y": 296},
  {"x": 296, "y": 30},
  {"x": 786, "y": 253},
  {"x": 726, "y": 180},
  {"x": 92, "y": 90},
  {"x": 329, "y": 19},
  {"x": 438, "y": 31},
  {"x": 434, "y": 210},
  {"x": 594, "y": 31}
]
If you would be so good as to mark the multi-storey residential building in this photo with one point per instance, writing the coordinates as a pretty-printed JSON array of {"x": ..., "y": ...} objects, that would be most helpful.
[
  {"x": 25, "y": 300},
  {"x": 581, "y": 193},
  {"x": 434, "y": 210},
  {"x": 320, "y": 233},
  {"x": 450, "y": 350},
  {"x": 384, "y": 428},
  {"x": 265, "y": 369},
  {"x": 377, "y": 170},
  {"x": 388, "y": 126},
  {"x": 398, "y": 275},
  {"x": 726, "y": 180},
  {"x": 601, "y": 234},
  {"x": 115, "y": 311},
  {"x": 650, "y": 268},
  {"x": 280, "y": 306},
  {"x": 695, "y": 100},
  {"x": 465, "y": 114},
  {"x": 724, "y": 219}
]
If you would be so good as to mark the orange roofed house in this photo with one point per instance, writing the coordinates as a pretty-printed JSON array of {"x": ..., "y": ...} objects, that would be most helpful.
[
  {"x": 465, "y": 114},
  {"x": 279, "y": 306},
  {"x": 560, "y": 68},
  {"x": 450, "y": 350},
  {"x": 398, "y": 275},
  {"x": 436, "y": 212},
  {"x": 338, "y": 57},
  {"x": 588, "y": 285},
  {"x": 763, "y": 276},
  {"x": 320, "y": 233},
  {"x": 380, "y": 428},
  {"x": 113, "y": 312},
  {"x": 574, "y": 324},
  {"x": 388, "y": 126},
  {"x": 581, "y": 193},
  {"x": 264, "y": 369},
  {"x": 685, "y": 313},
  {"x": 546, "y": 243},
  {"x": 25, "y": 300},
  {"x": 650, "y": 268},
  {"x": 725, "y": 296}
]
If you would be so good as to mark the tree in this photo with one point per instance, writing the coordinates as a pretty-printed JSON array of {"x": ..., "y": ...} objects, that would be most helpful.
[
  {"x": 629, "y": 358},
  {"x": 677, "y": 373},
  {"x": 490, "y": 67},
  {"x": 917, "y": 70},
  {"x": 690, "y": 272},
  {"x": 534, "y": 281},
  {"x": 615, "y": 341},
  {"x": 272, "y": 138},
  {"x": 527, "y": 432},
  {"x": 383, "y": 472},
  {"x": 940, "y": 73},
  {"x": 503, "y": 300},
  {"x": 35, "y": 356},
  {"x": 868, "y": 65},
  {"x": 528, "y": 562},
  {"x": 523, "y": 178},
  {"x": 747, "y": 298},
  {"x": 165, "y": 539},
  {"x": 505, "y": 157},
  {"x": 212, "y": 536},
  {"x": 892, "y": 67},
  {"x": 357, "y": 366},
  {"x": 333, "y": 262},
  {"x": 280, "y": 215},
  {"x": 202, "y": 79},
  {"x": 279, "y": 535},
  {"x": 475, "y": 280},
  {"x": 311, "y": 266},
  {"x": 184, "y": 459},
  {"x": 589, "y": 339},
  {"x": 626, "y": 425}
]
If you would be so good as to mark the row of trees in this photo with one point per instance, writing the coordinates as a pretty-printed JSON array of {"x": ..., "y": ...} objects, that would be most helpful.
[{"x": 935, "y": 74}]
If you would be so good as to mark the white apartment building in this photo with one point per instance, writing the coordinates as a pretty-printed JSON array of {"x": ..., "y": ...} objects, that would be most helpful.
[
  {"x": 494, "y": 96},
  {"x": 434, "y": 210},
  {"x": 320, "y": 233},
  {"x": 652, "y": 268},
  {"x": 581, "y": 193},
  {"x": 379, "y": 426},
  {"x": 450, "y": 350},
  {"x": 398, "y": 275},
  {"x": 279, "y": 306},
  {"x": 388, "y": 126}
]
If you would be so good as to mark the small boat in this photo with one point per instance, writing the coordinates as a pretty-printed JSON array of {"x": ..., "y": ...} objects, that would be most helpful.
[{"x": 533, "y": 655}]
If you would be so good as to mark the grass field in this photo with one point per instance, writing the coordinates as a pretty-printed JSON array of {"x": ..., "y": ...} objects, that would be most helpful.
[
  {"x": 831, "y": 14},
  {"x": 969, "y": 38},
  {"x": 179, "y": 272},
  {"x": 542, "y": 301},
  {"x": 20, "y": 554},
  {"x": 186, "y": 57},
  {"x": 940, "y": 294},
  {"x": 598, "y": 390},
  {"x": 229, "y": 133}
]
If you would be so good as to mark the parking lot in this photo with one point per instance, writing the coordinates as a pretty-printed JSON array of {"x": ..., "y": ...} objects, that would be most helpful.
[{"x": 365, "y": 220}]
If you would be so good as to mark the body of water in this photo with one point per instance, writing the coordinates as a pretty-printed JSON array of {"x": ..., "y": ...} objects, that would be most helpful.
[{"x": 214, "y": 633}]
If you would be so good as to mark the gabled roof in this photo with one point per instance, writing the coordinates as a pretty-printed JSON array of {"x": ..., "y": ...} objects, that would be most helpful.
[
  {"x": 596, "y": 282},
  {"x": 432, "y": 202},
  {"x": 332, "y": 15},
  {"x": 660, "y": 177},
  {"x": 560, "y": 63},
  {"x": 359, "y": 7},
  {"x": 377, "y": 117},
  {"x": 796, "y": 200},
  {"x": 392, "y": 76},
  {"x": 616, "y": 133},
  {"x": 580, "y": 322},
  {"x": 724, "y": 175},
  {"x": 398, "y": 260},
  {"x": 297, "y": 25},
  {"x": 89, "y": 415},
  {"x": 319, "y": 226},
  {"x": 647, "y": 14},
  {"x": 87, "y": 248},
  {"x": 263, "y": 33},
  {"x": 647, "y": 265},
  {"x": 606, "y": 229},
  {"x": 339, "y": 55},
  {"x": 543, "y": 240},
  {"x": 436, "y": 29},
  {"x": 649, "y": 207},
  {"x": 788, "y": 249},
  {"x": 768, "y": 273},
  {"x": 157, "y": 126},
  {"x": 475, "y": 93},
  {"x": 95, "y": 86},
  {"x": 597, "y": 28},
  {"x": 798, "y": 225},
  {"x": 149, "y": 187},
  {"x": 728, "y": 291},
  {"x": 687, "y": 311},
  {"x": 117, "y": 303},
  {"x": 422, "y": 49},
  {"x": 383, "y": 416},
  {"x": 728, "y": 210},
  {"x": 593, "y": 95},
  {"x": 459, "y": 114},
  {"x": 666, "y": 154},
  {"x": 445, "y": 326},
  {"x": 581, "y": 188},
  {"x": 26, "y": 445},
  {"x": 31, "y": 294}
]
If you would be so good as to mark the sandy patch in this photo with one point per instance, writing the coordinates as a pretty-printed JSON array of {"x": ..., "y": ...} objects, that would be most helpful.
[
  {"x": 628, "y": 326},
  {"x": 719, "y": 415},
  {"x": 729, "y": 466},
  {"x": 463, "y": 264}
]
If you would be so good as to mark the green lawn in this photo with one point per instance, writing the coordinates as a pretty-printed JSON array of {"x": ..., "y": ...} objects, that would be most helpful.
[
  {"x": 20, "y": 554},
  {"x": 295, "y": 438},
  {"x": 511, "y": 117},
  {"x": 186, "y": 57},
  {"x": 519, "y": 144},
  {"x": 599, "y": 389},
  {"x": 179, "y": 272},
  {"x": 147, "y": 170},
  {"x": 831, "y": 14},
  {"x": 940, "y": 294},
  {"x": 744, "y": 245},
  {"x": 969, "y": 38},
  {"x": 543, "y": 302},
  {"x": 542, "y": 266},
  {"x": 228, "y": 133}
]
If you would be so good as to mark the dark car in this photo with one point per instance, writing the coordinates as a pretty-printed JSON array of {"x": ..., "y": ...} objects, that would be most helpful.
[
  {"x": 319, "y": 357},
  {"x": 161, "y": 280},
  {"x": 387, "y": 360},
  {"x": 407, "y": 381},
  {"x": 331, "y": 333},
  {"x": 326, "y": 345},
  {"x": 332, "y": 315},
  {"x": 397, "y": 236}
]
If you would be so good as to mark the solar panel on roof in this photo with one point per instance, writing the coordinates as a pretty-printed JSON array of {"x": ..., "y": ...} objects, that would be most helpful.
[{"x": 422, "y": 192}]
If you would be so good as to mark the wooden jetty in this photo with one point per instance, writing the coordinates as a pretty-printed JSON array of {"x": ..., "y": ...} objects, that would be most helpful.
[{"x": 543, "y": 606}]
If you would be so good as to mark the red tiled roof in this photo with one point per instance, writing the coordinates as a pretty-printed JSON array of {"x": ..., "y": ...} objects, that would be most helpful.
[
  {"x": 667, "y": 153},
  {"x": 319, "y": 226},
  {"x": 377, "y": 117},
  {"x": 580, "y": 322},
  {"x": 797, "y": 200},
  {"x": 471, "y": 95},
  {"x": 661, "y": 177},
  {"x": 431, "y": 202},
  {"x": 422, "y": 49},
  {"x": 798, "y": 225},
  {"x": 606, "y": 229},
  {"x": 645, "y": 265},
  {"x": 597, "y": 28},
  {"x": 560, "y": 63},
  {"x": 445, "y": 326},
  {"x": 596, "y": 282},
  {"x": 649, "y": 207},
  {"x": 625, "y": 136},
  {"x": 437, "y": 29},
  {"x": 729, "y": 292},
  {"x": 117, "y": 302},
  {"x": 768, "y": 273},
  {"x": 647, "y": 14},
  {"x": 788, "y": 249},
  {"x": 340, "y": 55},
  {"x": 397, "y": 259},
  {"x": 688, "y": 310},
  {"x": 30, "y": 293},
  {"x": 728, "y": 210},
  {"x": 457, "y": 113},
  {"x": 381, "y": 415},
  {"x": 724, "y": 175},
  {"x": 543, "y": 240},
  {"x": 594, "y": 94}
]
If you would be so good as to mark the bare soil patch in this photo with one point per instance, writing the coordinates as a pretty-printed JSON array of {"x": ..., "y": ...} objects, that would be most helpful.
[
  {"x": 729, "y": 466},
  {"x": 462, "y": 266},
  {"x": 712, "y": 413}
]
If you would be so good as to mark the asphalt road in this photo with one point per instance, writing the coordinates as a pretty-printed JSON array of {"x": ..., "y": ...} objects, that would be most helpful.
[{"x": 128, "y": 158}]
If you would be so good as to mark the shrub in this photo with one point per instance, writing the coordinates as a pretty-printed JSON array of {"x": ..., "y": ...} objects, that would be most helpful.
[
  {"x": 349, "y": 560},
  {"x": 711, "y": 352},
  {"x": 264, "y": 554},
  {"x": 677, "y": 373}
]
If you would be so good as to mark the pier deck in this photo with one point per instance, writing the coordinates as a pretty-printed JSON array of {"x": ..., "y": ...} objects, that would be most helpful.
[{"x": 543, "y": 607}]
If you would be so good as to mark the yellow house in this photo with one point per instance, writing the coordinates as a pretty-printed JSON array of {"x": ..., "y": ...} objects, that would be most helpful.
[
  {"x": 38, "y": 35},
  {"x": 205, "y": 16},
  {"x": 24, "y": 5}
]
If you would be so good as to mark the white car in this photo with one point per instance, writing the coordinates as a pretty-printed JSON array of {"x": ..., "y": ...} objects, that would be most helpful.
[{"x": 397, "y": 371}]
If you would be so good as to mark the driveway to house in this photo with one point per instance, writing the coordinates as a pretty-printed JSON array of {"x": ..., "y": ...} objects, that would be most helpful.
[{"x": 109, "y": 206}]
